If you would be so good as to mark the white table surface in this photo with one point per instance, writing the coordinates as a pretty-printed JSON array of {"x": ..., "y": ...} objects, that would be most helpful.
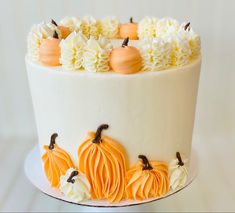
[{"x": 213, "y": 190}]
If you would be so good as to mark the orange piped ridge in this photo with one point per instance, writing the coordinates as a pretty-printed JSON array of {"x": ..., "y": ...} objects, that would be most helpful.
[
  {"x": 149, "y": 183},
  {"x": 104, "y": 165},
  {"x": 56, "y": 163}
]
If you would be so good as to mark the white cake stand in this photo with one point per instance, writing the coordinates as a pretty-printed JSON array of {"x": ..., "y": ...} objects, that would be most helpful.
[{"x": 34, "y": 172}]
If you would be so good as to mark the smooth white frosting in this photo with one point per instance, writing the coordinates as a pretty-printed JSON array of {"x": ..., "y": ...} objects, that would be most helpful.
[
  {"x": 96, "y": 55},
  {"x": 77, "y": 191},
  {"x": 178, "y": 174},
  {"x": 156, "y": 54},
  {"x": 149, "y": 113},
  {"x": 36, "y": 36},
  {"x": 73, "y": 23},
  {"x": 72, "y": 50},
  {"x": 147, "y": 27},
  {"x": 109, "y": 27}
]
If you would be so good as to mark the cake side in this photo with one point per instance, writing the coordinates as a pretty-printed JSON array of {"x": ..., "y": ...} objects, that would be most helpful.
[{"x": 147, "y": 112}]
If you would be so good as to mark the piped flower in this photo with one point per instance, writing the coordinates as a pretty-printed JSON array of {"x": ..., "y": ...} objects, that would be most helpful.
[
  {"x": 148, "y": 179},
  {"x": 96, "y": 56},
  {"x": 72, "y": 50},
  {"x": 193, "y": 39},
  {"x": 109, "y": 27},
  {"x": 36, "y": 36},
  {"x": 166, "y": 26},
  {"x": 75, "y": 186},
  {"x": 73, "y": 23},
  {"x": 178, "y": 172},
  {"x": 90, "y": 27},
  {"x": 156, "y": 54},
  {"x": 147, "y": 27}
]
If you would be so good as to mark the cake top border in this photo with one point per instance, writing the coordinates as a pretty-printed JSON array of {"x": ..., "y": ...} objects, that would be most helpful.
[{"x": 88, "y": 44}]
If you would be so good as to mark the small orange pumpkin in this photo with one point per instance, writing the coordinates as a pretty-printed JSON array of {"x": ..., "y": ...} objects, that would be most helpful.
[
  {"x": 56, "y": 162},
  {"x": 49, "y": 51},
  {"x": 125, "y": 59},
  {"x": 129, "y": 30},
  {"x": 147, "y": 180},
  {"x": 65, "y": 31},
  {"x": 102, "y": 160}
]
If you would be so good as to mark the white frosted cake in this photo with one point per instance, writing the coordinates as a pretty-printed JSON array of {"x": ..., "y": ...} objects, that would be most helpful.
[{"x": 114, "y": 105}]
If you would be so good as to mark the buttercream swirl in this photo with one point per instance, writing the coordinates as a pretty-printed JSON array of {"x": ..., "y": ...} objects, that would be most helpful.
[
  {"x": 166, "y": 26},
  {"x": 76, "y": 190},
  {"x": 193, "y": 39},
  {"x": 36, "y": 36},
  {"x": 147, "y": 183},
  {"x": 147, "y": 27},
  {"x": 104, "y": 166},
  {"x": 109, "y": 27},
  {"x": 73, "y": 23},
  {"x": 72, "y": 50},
  {"x": 90, "y": 27},
  {"x": 56, "y": 162},
  {"x": 156, "y": 54},
  {"x": 96, "y": 56},
  {"x": 181, "y": 52},
  {"x": 178, "y": 174}
]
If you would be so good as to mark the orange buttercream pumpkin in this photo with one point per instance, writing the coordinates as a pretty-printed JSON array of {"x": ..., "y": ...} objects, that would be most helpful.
[
  {"x": 129, "y": 30},
  {"x": 49, "y": 51},
  {"x": 102, "y": 160},
  {"x": 56, "y": 162},
  {"x": 125, "y": 59},
  {"x": 65, "y": 31},
  {"x": 147, "y": 180}
]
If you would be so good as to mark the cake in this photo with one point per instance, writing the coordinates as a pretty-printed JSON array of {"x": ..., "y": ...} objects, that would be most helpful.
[{"x": 114, "y": 105}]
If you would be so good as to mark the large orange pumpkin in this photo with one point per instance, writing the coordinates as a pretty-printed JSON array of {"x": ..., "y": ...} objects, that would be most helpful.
[
  {"x": 125, "y": 59},
  {"x": 56, "y": 162},
  {"x": 129, "y": 30},
  {"x": 49, "y": 51},
  {"x": 147, "y": 180},
  {"x": 65, "y": 31},
  {"x": 102, "y": 160}
]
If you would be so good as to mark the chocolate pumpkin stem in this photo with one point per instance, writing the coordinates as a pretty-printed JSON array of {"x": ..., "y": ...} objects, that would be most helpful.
[
  {"x": 180, "y": 163},
  {"x": 187, "y": 26},
  {"x": 73, "y": 174},
  {"x": 146, "y": 163},
  {"x": 125, "y": 42},
  {"x": 52, "y": 142},
  {"x": 55, "y": 35},
  {"x": 131, "y": 19},
  {"x": 54, "y": 22},
  {"x": 97, "y": 138}
]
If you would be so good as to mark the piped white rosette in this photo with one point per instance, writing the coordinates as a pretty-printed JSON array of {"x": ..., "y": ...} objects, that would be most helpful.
[
  {"x": 166, "y": 26},
  {"x": 109, "y": 27},
  {"x": 36, "y": 36},
  {"x": 96, "y": 56},
  {"x": 156, "y": 54},
  {"x": 90, "y": 27},
  {"x": 178, "y": 172},
  {"x": 147, "y": 27},
  {"x": 73, "y": 23},
  {"x": 194, "y": 40},
  {"x": 181, "y": 52},
  {"x": 75, "y": 186},
  {"x": 72, "y": 50}
]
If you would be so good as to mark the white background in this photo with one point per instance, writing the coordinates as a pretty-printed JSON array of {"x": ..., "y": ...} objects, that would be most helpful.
[{"x": 214, "y": 133}]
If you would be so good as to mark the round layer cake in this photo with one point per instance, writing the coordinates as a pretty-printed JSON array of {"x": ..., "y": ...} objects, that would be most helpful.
[{"x": 137, "y": 96}]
